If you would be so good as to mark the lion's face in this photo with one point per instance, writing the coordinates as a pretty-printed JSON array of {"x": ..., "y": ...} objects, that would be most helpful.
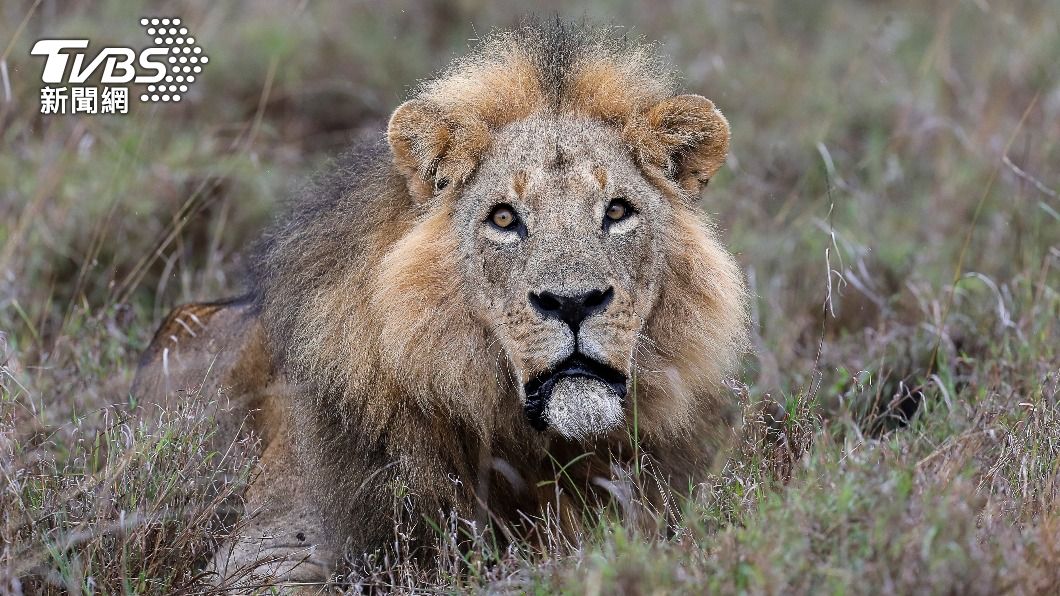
[
  {"x": 565, "y": 239},
  {"x": 561, "y": 240}
]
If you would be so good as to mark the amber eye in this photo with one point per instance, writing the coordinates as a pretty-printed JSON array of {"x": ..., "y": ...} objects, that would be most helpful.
[
  {"x": 617, "y": 210},
  {"x": 503, "y": 216}
]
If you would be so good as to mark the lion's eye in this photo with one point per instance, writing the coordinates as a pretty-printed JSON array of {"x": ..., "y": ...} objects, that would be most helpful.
[
  {"x": 503, "y": 216},
  {"x": 617, "y": 210}
]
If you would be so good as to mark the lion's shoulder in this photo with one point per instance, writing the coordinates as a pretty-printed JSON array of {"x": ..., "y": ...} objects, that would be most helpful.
[{"x": 203, "y": 348}]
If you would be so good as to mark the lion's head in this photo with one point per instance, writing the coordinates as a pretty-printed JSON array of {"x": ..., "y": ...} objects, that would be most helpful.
[
  {"x": 544, "y": 253},
  {"x": 567, "y": 177}
]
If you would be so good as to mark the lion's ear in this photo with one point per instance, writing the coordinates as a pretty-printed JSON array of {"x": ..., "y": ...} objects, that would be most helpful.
[
  {"x": 686, "y": 136},
  {"x": 435, "y": 149}
]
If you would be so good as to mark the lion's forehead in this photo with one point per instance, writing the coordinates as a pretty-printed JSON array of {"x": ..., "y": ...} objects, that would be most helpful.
[
  {"x": 545, "y": 145},
  {"x": 542, "y": 158}
]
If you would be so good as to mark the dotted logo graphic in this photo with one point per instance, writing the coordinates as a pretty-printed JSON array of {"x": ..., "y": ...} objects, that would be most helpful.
[{"x": 184, "y": 63}]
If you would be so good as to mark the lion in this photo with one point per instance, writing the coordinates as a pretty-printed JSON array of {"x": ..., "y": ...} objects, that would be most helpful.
[{"x": 517, "y": 274}]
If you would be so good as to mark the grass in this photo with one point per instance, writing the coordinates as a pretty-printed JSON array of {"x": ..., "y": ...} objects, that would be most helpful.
[{"x": 892, "y": 195}]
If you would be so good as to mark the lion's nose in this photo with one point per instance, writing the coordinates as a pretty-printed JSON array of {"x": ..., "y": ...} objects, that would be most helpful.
[{"x": 571, "y": 309}]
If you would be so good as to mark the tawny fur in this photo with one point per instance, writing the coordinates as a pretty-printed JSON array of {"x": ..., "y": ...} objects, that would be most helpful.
[{"x": 392, "y": 378}]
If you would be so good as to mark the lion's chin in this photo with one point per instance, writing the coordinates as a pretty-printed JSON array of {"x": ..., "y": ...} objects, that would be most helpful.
[
  {"x": 580, "y": 399},
  {"x": 583, "y": 408}
]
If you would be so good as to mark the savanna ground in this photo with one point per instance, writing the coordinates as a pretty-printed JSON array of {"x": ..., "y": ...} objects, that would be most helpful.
[{"x": 892, "y": 194}]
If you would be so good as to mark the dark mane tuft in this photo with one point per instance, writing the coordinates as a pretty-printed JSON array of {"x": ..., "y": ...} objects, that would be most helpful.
[{"x": 553, "y": 66}]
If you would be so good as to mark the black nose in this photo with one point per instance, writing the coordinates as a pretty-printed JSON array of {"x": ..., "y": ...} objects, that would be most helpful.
[{"x": 571, "y": 309}]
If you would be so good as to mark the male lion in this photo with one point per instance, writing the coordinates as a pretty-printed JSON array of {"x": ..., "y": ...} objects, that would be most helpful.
[{"x": 519, "y": 278}]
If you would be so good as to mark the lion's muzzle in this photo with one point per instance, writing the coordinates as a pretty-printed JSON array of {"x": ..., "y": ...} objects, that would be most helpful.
[{"x": 580, "y": 398}]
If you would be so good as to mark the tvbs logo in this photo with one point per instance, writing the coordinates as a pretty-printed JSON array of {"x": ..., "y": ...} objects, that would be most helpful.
[{"x": 167, "y": 68}]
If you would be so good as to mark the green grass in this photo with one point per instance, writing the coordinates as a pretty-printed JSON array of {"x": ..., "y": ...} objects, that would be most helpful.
[{"x": 881, "y": 152}]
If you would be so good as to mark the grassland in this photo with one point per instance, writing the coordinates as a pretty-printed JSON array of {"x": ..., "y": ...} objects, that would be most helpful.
[{"x": 892, "y": 195}]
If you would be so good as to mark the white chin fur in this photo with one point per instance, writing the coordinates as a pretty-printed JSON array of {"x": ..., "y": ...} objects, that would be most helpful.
[{"x": 581, "y": 408}]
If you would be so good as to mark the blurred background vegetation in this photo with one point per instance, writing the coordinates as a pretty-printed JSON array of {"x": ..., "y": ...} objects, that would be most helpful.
[{"x": 892, "y": 195}]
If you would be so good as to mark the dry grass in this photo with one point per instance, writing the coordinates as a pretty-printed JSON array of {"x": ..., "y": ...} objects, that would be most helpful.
[{"x": 892, "y": 195}]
